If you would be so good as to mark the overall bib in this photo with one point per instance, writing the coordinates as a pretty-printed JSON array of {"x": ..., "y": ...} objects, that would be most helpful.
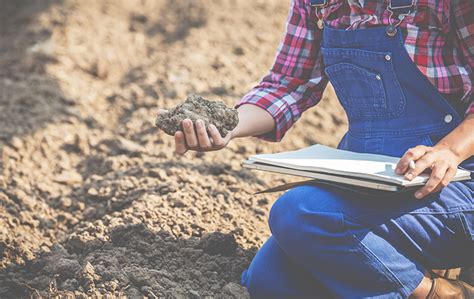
[{"x": 330, "y": 242}]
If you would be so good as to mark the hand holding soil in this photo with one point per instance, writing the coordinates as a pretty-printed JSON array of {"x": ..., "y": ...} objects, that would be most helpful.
[{"x": 199, "y": 124}]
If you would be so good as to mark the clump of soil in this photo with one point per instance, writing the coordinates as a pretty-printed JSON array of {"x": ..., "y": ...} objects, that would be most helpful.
[{"x": 196, "y": 107}]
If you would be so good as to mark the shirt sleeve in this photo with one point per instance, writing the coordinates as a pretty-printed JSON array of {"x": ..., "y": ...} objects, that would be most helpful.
[
  {"x": 296, "y": 81},
  {"x": 463, "y": 16}
]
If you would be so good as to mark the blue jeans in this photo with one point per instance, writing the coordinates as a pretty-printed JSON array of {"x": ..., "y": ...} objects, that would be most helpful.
[{"x": 327, "y": 241}]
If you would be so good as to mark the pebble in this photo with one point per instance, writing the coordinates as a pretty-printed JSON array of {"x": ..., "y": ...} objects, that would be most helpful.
[
  {"x": 235, "y": 291},
  {"x": 69, "y": 178},
  {"x": 92, "y": 191},
  {"x": 129, "y": 146},
  {"x": 66, "y": 202},
  {"x": 16, "y": 143},
  {"x": 194, "y": 294},
  {"x": 158, "y": 173}
]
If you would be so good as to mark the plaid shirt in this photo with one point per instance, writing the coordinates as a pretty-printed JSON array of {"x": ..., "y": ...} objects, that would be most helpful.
[{"x": 439, "y": 37}]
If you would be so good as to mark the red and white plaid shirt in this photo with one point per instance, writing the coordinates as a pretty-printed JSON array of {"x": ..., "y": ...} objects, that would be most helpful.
[{"x": 439, "y": 36}]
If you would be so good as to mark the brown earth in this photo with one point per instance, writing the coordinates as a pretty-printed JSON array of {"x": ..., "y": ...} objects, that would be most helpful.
[{"x": 92, "y": 199}]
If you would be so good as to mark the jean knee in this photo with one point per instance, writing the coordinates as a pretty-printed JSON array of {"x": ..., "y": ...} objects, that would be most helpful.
[
  {"x": 285, "y": 213},
  {"x": 302, "y": 214}
]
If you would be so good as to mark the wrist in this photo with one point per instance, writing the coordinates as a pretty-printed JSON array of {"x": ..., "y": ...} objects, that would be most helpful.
[
  {"x": 236, "y": 133},
  {"x": 458, "y": 154}
]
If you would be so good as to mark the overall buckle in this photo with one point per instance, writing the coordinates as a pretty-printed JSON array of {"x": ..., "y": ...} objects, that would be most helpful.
[
  {"x": 398, "y": 9},
  {"x": 318, "y": 6},
  {"x": 319, "y": 2}
]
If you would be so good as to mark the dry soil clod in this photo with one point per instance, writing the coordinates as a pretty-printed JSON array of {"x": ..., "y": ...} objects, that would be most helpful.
[{"x": 195, "y": 107}]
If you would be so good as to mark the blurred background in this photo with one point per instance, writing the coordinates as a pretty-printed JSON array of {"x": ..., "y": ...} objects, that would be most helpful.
[{"x": 92, "y": 198}]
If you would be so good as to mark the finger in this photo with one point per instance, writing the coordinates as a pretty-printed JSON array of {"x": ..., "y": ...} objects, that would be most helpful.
[
  {"x": 421, "y": 165},
  {"x": 447, "y": 179},
  {"x": 217, "y": 139},
  {"x": 190, "y": 134},
  {"x": 180, "y": 143},
  {"x": 437, "y": 176},
  {"x": 203, "y": 137},
  {"x": 412, "y": 154}
]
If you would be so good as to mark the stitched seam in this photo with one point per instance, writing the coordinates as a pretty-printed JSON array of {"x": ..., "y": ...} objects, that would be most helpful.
[
  {"x": 406, "y": 290},
  {"x": 428, "y": 212},
  {"x": 371, "y": 255},
  {"x": 465, "y": 226}
]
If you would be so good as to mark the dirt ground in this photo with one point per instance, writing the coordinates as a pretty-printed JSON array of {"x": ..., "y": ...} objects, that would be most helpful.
[{"x": 92, "y": 199}]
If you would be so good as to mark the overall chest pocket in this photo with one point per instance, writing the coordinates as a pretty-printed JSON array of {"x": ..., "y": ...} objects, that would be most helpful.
[{"x": 365, "y": 82}]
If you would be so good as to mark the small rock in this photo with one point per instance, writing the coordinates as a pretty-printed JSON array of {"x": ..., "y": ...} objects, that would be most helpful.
[
  {"x": 259, "y": 211},
  {"x": 158, "y": 173},
  {"x": 194, "y": 294},
  {"x": 228, "y": 216},
  {"x": 128, "y": 146},
  {"x": 234, "y": 290},
  {"x": 16, "y": 143},
  {"x": 239, "y": 51},
  {"x": 46, "y": 47},
  {"x": 193, "y": 211},
  {"x": 93, "y": 192},
  {"x": 80, "y": 205},
  {"x": 66, "y": 202},
  {"x": 69, "y": 178}
]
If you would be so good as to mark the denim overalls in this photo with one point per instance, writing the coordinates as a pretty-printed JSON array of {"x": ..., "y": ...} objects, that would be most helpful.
[{"x": 330, "y": 242}]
